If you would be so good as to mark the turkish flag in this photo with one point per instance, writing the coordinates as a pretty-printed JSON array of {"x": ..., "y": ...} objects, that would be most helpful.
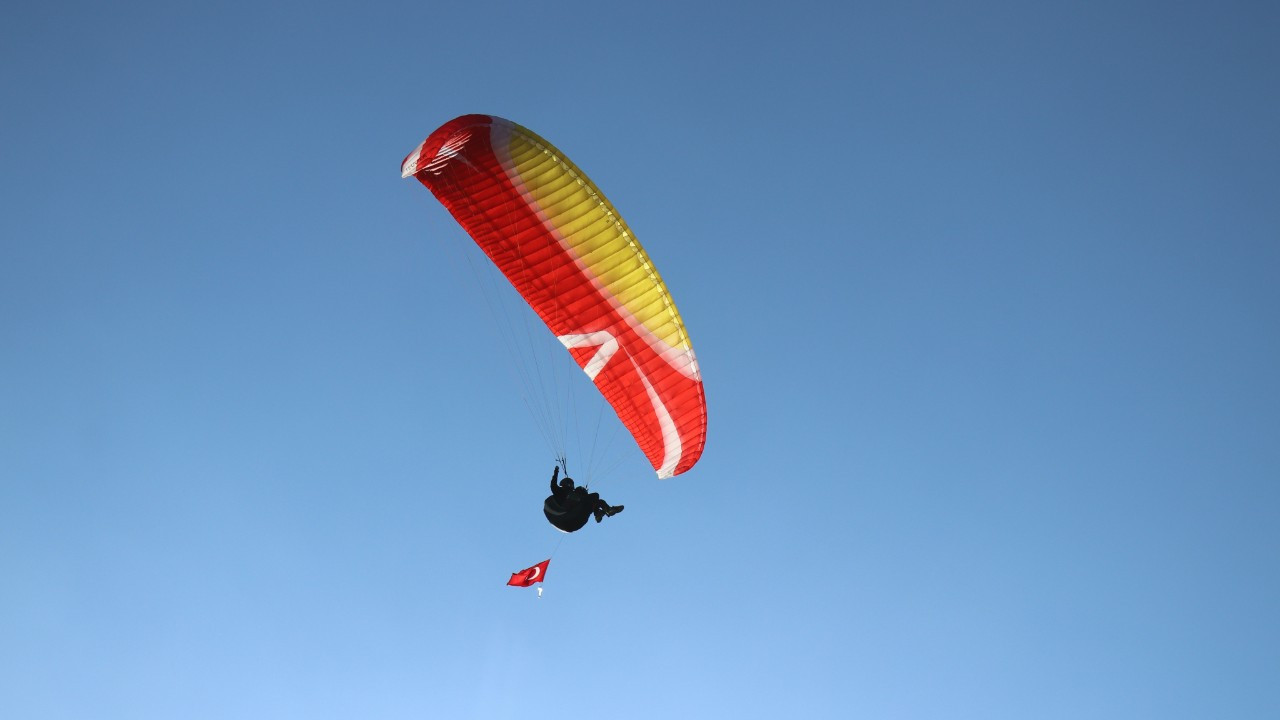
[{"x": 529, "y": 576}]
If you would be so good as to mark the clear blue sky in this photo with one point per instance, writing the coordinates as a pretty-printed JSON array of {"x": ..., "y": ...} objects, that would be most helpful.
[{"x": 985, "y": 296}]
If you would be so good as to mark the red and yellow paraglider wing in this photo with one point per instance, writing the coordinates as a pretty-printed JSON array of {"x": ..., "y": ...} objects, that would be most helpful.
[{"x": 566, "y": 250}]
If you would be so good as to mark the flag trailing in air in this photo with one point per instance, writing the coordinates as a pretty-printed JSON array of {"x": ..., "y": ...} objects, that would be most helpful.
[{"x": 529, "y": 576}]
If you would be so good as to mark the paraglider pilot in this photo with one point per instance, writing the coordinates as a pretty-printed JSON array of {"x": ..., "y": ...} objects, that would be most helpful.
[{"x": 569, "y": 507}]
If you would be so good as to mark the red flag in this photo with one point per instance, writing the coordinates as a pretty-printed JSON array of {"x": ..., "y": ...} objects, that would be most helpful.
[{"x": 529, "y": 576}]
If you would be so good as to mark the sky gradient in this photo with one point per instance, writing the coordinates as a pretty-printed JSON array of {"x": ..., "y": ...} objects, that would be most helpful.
[{"x": 984, "y": 298}]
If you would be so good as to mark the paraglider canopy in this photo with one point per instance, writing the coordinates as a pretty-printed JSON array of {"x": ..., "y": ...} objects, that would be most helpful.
[{"x": 573, "y": 259}]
